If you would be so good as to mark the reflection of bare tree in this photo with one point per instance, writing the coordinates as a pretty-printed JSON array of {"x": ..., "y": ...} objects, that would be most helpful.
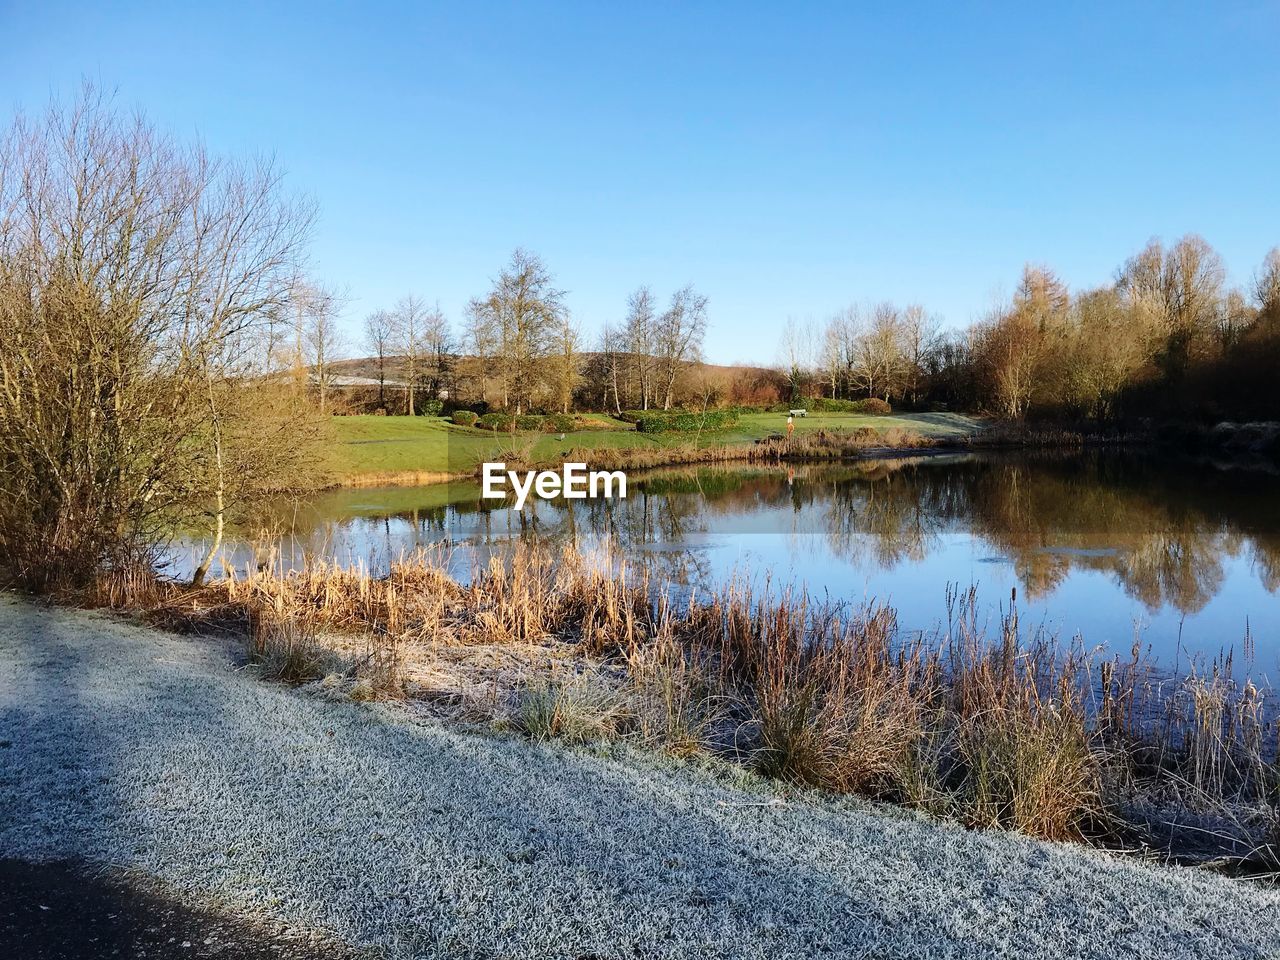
[
  {"x": 884, "y": 510},
  {"x": 1164, "y": 544},
  {"x": 1266, "y": 559},
  {"x": 1182, "y": 568}
]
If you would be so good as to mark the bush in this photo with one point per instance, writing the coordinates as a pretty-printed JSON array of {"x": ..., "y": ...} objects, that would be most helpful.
[
  {"x": 497, "y": 421},
  {"x": 105, "y": 411},
  {"x": 431, "y": 408},
  {"x": 831, "y": 405},
  {"x": 685, "y": 422},
  {"x": 558, "y": 423},
  {"x": 529, "y": 421},
  {"x": 634, "y": 416},
  {"x": 872, "y": 405},
  {"x": 465, "y": 418}
]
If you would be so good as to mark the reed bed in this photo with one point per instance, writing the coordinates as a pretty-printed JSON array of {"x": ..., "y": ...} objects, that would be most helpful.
[
  {"x": 1009, "y": 731},
  {"x": 837, "y": 444},
  {"x": 808, "y": 445},
  {"x": 1052, "y": 436}
]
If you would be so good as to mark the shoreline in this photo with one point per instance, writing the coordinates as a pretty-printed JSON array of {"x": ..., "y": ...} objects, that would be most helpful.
[
  {"x": 645, "y": 458},
  {"x": 837, "y": 450},
  {"x": 566, "y": 647},
  {"x": 415, "y": 478}
]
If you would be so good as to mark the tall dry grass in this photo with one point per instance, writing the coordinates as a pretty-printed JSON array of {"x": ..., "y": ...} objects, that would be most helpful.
[
  {"x": 1011, "y": 731},
  {"x": 809, "y": 445}
]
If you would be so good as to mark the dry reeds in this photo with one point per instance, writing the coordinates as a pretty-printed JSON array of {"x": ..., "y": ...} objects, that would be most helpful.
[
  {"x": 810, "y": 445},
  {"x": 1013, "y": 732},
  {"x": 836, "y": 444},
  {"x": 285, "y": 646}
]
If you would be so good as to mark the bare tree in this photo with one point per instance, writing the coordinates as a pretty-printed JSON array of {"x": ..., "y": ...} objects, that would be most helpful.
[
  {"x": 612, "y": 349},
  {"x": 567, "y": 362},
  {"x": 1182, "y": 290},
  {"x": 438, "y": 347},
  {"x": 1266, "y": 287},
  {"x": 1010, "y": 348},
  {"x": 1015, "y": 341},
  {"x": 919, "y": 335},
  {"x": 320, "y": 337},
  {"x": 514, "y": 326},
  {"x": 640, "y": 336},
  {"x": 133, "y": 270},
  {"x": 1102, "y": 353},
  {"x": 831, "y": 354},
  {"x": 679, "y": 334},
  {"x": 842, "y": 346},
  {"x": 409, "y": 323},
  {"x": 798, "y": 352},
  {"x": 379, "y": 328},
  {"x": 878, "y": 365}
]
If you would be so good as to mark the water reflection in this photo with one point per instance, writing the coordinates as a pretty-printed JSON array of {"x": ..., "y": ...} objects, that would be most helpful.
[{"x": 1098, "y": 544}]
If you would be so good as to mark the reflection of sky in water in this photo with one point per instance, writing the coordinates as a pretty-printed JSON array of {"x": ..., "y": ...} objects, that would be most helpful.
[
  {"x": 1097, "y": 550},
  {"x": 1088, "y": 603}
]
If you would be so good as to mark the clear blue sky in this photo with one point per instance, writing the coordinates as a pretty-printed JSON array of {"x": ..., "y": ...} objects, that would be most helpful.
[{"x": 788, "y": 159}]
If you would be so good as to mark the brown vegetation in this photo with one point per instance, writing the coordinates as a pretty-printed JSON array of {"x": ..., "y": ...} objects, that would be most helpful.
[
  {"x": 811, "y": 445},
  {"x": 137, "y": 276},
  {"x": 1005, "y": 731}
]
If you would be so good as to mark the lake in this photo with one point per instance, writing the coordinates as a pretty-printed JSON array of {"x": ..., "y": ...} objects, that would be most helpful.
[{"x": 1182, "y": 556}]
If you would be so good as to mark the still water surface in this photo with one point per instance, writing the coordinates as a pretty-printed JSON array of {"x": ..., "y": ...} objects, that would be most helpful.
[{"x": 1183, "y": 556}]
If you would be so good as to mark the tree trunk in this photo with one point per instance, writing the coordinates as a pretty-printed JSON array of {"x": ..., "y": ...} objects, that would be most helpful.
[
  {"x": 409, "y": 386},
  {"x": 202, "y": 571}
]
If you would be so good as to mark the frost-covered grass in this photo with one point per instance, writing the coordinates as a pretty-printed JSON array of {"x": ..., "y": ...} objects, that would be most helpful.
[{"x": 137, "y": 748}]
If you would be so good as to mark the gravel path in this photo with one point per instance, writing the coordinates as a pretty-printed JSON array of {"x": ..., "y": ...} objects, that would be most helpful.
[{"x": 124, "y": 746}]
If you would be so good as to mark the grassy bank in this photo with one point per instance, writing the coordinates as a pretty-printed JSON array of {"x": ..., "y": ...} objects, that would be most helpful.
[
  {"x": 370, "y": 449},
  {"x": 1006, "y": 731}
]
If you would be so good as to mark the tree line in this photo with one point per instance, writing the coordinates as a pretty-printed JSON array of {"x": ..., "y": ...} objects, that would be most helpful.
[
  {"x": 520, "y": 349},
  {"x": 1167, "y": 337}
]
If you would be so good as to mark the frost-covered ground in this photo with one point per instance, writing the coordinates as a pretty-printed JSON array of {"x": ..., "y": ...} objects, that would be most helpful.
[{"x": 136, "y": 748}]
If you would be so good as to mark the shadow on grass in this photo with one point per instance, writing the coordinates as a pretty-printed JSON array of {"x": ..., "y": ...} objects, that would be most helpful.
[{"x": 71, "y": 911}]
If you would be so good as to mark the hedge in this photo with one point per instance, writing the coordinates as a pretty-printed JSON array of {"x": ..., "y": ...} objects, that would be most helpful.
[
  {"x": 529, "y": 421},
  {"x": 496, "y": 421},
  {"x": 431, "y": 408},
  {"x": 465, "y": 418},
  {"x": 873, "y": 405},
  {"x": 684, "y": 422}
]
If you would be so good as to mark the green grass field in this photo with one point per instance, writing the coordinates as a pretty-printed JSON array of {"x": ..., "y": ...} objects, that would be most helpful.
[{"x": 389, "y": 445}]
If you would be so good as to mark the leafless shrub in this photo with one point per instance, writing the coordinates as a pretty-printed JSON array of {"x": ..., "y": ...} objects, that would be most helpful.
[{"x": 132, "y": 269}]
